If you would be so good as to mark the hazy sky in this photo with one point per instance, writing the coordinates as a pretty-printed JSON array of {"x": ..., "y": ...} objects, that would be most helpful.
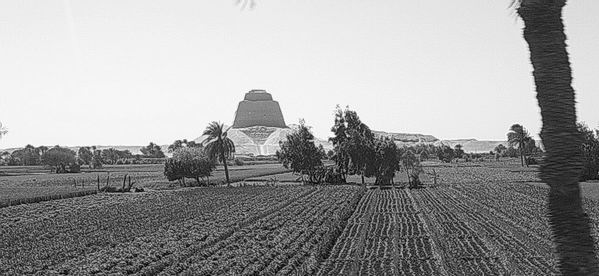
[{"x": 130, "y": 72}]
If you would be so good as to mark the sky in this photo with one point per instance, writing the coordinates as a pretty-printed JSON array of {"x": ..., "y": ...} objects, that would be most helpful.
[{"x": 127, "y": 72}]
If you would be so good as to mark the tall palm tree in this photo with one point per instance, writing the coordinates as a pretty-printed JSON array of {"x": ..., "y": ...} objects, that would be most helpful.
[
  {"x": 217, "y": 144},
  {"x": 518, "y": 136},
  {"x": 3, "y": 130},
  {"x": 544, "y": 33}
]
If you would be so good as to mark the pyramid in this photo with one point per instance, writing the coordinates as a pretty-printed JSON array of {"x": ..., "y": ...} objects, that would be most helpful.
[
  {"x": 258, "y": 109},
  {"x": 259, "y": 126}
]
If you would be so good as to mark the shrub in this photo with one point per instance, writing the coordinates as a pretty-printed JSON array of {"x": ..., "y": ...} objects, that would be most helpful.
[
  {"x": 384, "y": 160},
  {"x": 299, "y": 153},
  {"x": 445, "y": 153},
  {"x": 74, "y": 168},
  {"x": 188, "y": 163},
  {"x": 62, "y": 160},
  {"x": 334, "y": 176},
  {"x": 238, "y": 162},
  {"x": 413, "y": 168}
]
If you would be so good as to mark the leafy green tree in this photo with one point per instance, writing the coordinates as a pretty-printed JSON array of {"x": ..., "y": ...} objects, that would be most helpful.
[
  {"x": 518, "y": 137},
  {"x": 40, "y": 151},
  {"x": 4, "y": 158},
  {"x": 85, "y": 156},
  {"x": 182, "y": 144},
  {"x": 500, "y": 149},
  {"x": 59, "y": 158},
  {"x": 413, "y": 169},
  {"x": 353, "y": 142},
  {"x": 544, "y": 33},
  {"x": 110, "y": 155},
  {"x": 511, "y": 152},
  {"x": 340, "y": 141},
  {"x": 189, "y": 162},
  {"x": 124, "y": 154},
  {"x": 445, "y": 153},
  {"x": 383, "y": 161},
  {"x": 530, "y": 147},
  {"x": 299, "y": 153},
  {"x": 152, "y": 151},
  {"x": 218, "y": 145},
  {"x": 97, "y": 160},
  {"x": 458, "y": 151},
  {"x": 27, "y": 156}
]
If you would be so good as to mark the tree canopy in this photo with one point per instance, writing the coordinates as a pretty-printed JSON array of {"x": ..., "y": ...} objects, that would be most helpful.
[
  {"x": 518, "y": 137},
  {"x": 152, "y": 151},
  {"x": 62, "y": 160},
  {"x": 218, "y": 145},
  {"x": 189, "y": 162},
  {"x": 299, "y": 153}
]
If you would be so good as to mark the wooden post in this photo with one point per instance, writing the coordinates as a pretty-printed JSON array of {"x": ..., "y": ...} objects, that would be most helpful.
[{"x": 98, "y": 182}]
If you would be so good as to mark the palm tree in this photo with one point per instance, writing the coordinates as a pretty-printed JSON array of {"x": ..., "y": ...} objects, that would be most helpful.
[
  {"x": 3, "y": 130},
  {"x": 217, "y": 144},
  {"x": 518, "y": 136},
  {"x": 544, "y": 33}
]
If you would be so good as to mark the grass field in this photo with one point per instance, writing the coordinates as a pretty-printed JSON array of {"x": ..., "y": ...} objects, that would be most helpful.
[
  {"x": 23, "y": 183},
  {"x": 480, "y": 219}
]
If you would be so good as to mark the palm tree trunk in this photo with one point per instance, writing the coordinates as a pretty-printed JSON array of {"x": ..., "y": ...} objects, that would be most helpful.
[
  {"x": 222, "y": 156},
  {"x": 544, "y": 32},
  {"x": 520, "y": 150}
]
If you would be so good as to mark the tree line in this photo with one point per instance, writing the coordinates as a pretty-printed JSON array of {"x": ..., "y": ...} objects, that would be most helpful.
[
  {"x": 357, "y": 151},
  {"x": 62, "y": 159}
]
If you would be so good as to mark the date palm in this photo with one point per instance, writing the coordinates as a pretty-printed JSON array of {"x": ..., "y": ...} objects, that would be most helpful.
[
  {"x": 218, "y": 145},
  {"x": 518, "y": 136},
  {"x": 544, "y": 33}
]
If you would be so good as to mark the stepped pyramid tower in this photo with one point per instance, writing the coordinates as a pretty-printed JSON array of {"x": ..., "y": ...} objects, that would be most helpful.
[
  {"x": 259, "y": 126},
  {"x": 258, "y": 109}
]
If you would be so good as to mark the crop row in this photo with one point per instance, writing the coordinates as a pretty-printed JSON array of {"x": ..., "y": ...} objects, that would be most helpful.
[
  {"x": 291, "y": 240},
  {"x": 474, "y": 233},
  {"x": 473, "y": 174},
  {"x": 385, "y": 235},
  {"x": 125, "y": 233}
]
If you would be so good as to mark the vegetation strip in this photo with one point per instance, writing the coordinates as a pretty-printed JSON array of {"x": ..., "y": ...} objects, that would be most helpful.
[{"x": 46, "y": 198}]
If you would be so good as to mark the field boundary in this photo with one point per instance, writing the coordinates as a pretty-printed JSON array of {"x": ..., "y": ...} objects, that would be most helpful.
[{"x": 37, "y": 199}]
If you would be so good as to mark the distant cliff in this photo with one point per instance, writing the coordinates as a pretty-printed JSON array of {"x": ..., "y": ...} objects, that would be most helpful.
[
  {"x": 468, "y": 145},
  {"x": 473, "y": 145},
  {"x": 407, "y": 137}
]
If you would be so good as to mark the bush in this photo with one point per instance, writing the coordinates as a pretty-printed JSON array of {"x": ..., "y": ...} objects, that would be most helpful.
[
  {"x": 333, "y": 176},
  {"x": 61, "y": 160},
  {"x": 74, "y": 168},
  {"x": 238, "y": 162},
  {"x": 299, "y": 153},
  {"x": 445, "y": 153},
  {"x": 188, "y": 163}
]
